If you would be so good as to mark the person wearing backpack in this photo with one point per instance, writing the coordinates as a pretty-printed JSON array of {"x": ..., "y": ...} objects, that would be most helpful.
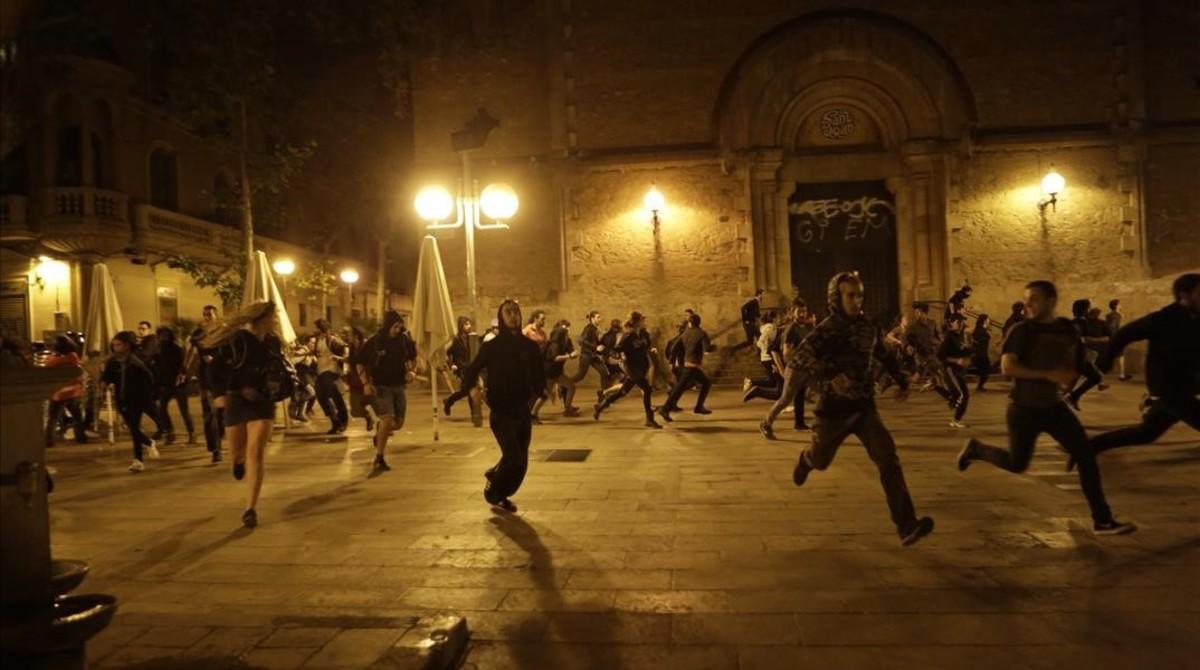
[
  {"x": 385, "y": 364},
  {"x": 250, "y": 359}
]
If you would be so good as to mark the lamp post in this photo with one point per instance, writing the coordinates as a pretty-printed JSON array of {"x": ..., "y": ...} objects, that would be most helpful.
[
  {"x": 284, "y": 267},
  {"x": 497, "y": 202},
  {"x": 350, "y": 276}
]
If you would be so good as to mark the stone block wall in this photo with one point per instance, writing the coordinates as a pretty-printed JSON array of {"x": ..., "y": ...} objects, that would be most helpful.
[{"x": 1173, "y": 207}]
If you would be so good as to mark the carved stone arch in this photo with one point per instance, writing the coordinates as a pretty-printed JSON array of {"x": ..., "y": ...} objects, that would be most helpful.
[{"x": 846, "y": 96}]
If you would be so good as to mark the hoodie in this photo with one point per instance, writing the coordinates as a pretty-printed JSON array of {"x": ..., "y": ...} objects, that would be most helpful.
[
  {"x": 845, "y": 345},
  {"x": 385, "y": 357},
  {"x": 514, "y": 372}
]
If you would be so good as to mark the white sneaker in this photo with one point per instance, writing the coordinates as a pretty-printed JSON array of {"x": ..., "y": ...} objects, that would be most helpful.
[
  {"x": 152, "y": 450},
  {"x": 136, "y": 466},
  {"x": 958, "y": 424},
  {"x": 745, "y": 384},
  {"x": 789, "y": 410}
]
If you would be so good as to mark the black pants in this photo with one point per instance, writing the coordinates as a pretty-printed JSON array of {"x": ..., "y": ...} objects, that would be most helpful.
[
  {"x": 214, "y": 424},
  {"x": 769, "y": 387},
  {"x": 626, "y": 386},
  {"x": 983, "y": 368},
  {"x": 1156, "y": 420},
  {"x": 513, "y": 432},
  {"x": 691, "y": 376},
  {"x": 57, "y": 408},
  {"x": 592, "y": 361},
  {"x": 1025, "y": 424},
  {"x": 1091, "y": 377},
  {"x": 459, "y": 395},
  {"x": 828, "y": 434},
  {"x": 957, "y": 391},
  {"x": 332, "y": 402},
  {"x": 751, "y": 329},
  {"x": 179, "y": 395},
  {"x": 133, "y": 421}
]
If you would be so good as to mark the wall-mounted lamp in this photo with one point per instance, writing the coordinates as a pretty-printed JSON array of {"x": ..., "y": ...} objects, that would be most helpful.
[
  {"x": 655, "y": 202},
  {"x": 1052, "y": 184}
]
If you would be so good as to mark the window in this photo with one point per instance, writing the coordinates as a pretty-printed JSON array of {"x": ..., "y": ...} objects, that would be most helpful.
[
  {"x": 164, "y": 179},
  {"x": 168, "y": 306},
  {"x": 303, "y": 314}
]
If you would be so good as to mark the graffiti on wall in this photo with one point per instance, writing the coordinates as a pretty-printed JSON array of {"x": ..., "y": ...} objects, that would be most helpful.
[{"x": 815, "y": 221}]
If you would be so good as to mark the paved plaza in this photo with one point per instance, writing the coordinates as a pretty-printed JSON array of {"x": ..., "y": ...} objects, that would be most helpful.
[{"x": 687, "y": 547}]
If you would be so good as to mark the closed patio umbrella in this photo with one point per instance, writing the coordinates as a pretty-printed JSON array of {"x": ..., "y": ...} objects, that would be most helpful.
[
  {"x": 260, "y": 286},
  {"x": 432, "y": 324}
]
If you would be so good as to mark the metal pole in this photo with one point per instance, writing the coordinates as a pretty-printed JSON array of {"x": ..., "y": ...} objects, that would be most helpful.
[{"x": 470, "y": 213}]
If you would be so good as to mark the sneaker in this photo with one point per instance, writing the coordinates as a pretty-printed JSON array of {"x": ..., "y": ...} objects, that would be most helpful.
[
  {"x": 191, "y": 438},
  {"x": 158, "y": 435},
  {"x": 674, "y": 408},
  {"x": 170, "y": 438},
  {"x": 445, "y": 409},
  {"x": 370, "y": 425},
  {"x": 333, "y": 430},
  {"x": 249, "y": 518},
  {"x": 919, "y": 529},
  {"x": 506, "y": 505},
  {"x": 152, "y": 450},
  {"x": 239, "y": 471},
  {"x": 801, "y": 426},
  {"x": 216, "y": 457},
  {"x": 596, "y": 412},
  {"x": 380, "y": 465},
  {"x": 1073, "y": 402},
  {"x": 665, "y": 414},
  {"x": 958, "y": 424},
  {"x": 789, "y": 410},
  {"x": 766, "y": 430},
  {"x": 136, "y": 466},
  {"x": 750, "y": 394},
  {"x": 534, "y": 419},
  {"x": 1101, "y": 387},
  {"x": 745, "y": 384},
  {"x": 800, "y": 473},
  {"x": 571, "y": 412},
  {"x": 1113, "y": 527},
  {"x": 702, "y": 410},
  {"x": 966, "y": 454},
  {"x": 651, "y": 423}
]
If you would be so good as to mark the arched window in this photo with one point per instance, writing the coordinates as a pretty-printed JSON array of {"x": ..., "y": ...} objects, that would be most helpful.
[{"x": 164, "y": 178}]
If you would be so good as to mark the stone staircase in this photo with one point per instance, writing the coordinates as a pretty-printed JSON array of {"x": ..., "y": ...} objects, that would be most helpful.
[{"x": 729, "y": 365}]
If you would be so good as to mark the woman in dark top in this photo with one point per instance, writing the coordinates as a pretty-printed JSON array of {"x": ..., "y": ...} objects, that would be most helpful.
[
  {"x": 245, "y": 346},
  {"x": 635, "y": 350},
  {"x": 167, "y": 366},
  {"x": 981, "y": 340},
  {"x": 133, "y": 392},
  {"x": 559, "y": 350},
  {"x": 458, "y": 355}
]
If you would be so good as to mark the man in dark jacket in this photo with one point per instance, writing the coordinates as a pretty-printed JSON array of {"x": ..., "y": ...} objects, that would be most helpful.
[
  {"x": 954, "y": 355},
  {"x": 385, "y": 365},
  {"x": 171, "y": 383},
  {"x": 751, "y": 312},
  {"x": 591, "y": 354},
  {"x": 837, "y": 358},
  {"x": 695, "y": 343},
  {"x": 1172, "y": 367},
  {"x": 513, "y": 364}
]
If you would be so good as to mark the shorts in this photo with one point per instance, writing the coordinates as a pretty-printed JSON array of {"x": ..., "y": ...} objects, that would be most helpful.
[
  {"x": 390, "y": 401},
  {"x": 239, "y": 410}
]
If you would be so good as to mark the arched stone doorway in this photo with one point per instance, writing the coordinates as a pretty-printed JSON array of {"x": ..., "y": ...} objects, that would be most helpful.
[{"x": 833, "y": 111}]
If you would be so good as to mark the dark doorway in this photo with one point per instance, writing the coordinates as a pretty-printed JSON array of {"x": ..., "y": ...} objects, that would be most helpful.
[{"x": 845, "y": 226}]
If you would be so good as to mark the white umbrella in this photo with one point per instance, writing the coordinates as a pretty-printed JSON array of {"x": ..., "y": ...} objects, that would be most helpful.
[
  {"x": 101, "y": 322},
  {"x": 260, "y": 287},
  {"x": 433, "y": 315}
]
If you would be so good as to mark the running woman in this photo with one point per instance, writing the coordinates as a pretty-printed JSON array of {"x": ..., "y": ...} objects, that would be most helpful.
[
  {"x": 1042, "y": 355},
  {"x": 635, "y": 350},
  {"x": 133, "y": 392},
  {"x": 954, "y": 356},
  {"x": 515, "y": 379},
  {"x": 838, "y": 358}
]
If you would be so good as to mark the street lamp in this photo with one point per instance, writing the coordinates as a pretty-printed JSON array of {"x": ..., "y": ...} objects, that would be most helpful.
[
  {"x": 497, "y": 202},
  {"x": 350, "y": 276},
  {"x": 284, "y": 267}
]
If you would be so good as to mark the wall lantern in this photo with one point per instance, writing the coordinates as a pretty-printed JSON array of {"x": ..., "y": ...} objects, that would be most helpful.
[
  {"x": 655, "y": 202},
  {"x": 1052, "y": 184},
  {"x": 50, "y": 271}
]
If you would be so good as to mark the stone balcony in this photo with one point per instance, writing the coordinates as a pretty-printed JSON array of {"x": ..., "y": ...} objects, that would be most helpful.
[
  {"x": 84, "y": 221},
  {"x": 162, "y": 231},
  {"x": 14, "y": 219}
]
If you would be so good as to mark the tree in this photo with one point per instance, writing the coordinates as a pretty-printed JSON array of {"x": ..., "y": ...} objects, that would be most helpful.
[
  {"x": 228, "y": 280},
  {"x": 319, "y": 278}
]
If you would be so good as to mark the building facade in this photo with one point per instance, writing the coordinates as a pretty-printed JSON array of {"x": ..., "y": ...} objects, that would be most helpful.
[
  {"x": 905, "y": 139},
  {"x": 95, "y": 174}
]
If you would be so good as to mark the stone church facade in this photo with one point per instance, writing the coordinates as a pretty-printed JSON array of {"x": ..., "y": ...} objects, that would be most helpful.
[{"x": 905, "y": 139}]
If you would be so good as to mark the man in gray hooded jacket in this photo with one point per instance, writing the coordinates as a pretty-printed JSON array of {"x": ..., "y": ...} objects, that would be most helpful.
[{"x": 837, "y": 359}]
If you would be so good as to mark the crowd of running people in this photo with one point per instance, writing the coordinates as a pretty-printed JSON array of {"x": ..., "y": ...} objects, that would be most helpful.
[{"x": 840, "y": 358}]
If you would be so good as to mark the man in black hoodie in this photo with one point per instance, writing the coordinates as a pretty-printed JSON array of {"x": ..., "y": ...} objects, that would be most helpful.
[
  {"x": 591, "y": 352},
  {"x": 385, "y": 364},
  {"x": 837, "y": 357},
  {"x": 1172, "y": 367},
  {"x": 513, "y": 364}
]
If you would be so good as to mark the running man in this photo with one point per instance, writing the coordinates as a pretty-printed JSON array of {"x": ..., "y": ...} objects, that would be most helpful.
[
  {"x": 1042, "y": 355},
  {"x": 955, "y": 355},
  {"x": 635, "y": 350},
  {"x": 694, "y": 343},
  {"x": 837, "y": 357},
  {"x": 385, "y": 365},
  {"x": 794, "y": 387}
]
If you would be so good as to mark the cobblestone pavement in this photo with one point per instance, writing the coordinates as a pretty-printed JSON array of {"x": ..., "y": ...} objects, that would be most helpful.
[{"x": 687, "y": 547}]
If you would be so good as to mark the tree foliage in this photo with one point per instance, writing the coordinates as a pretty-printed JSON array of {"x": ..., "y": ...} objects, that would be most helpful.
[
  {"x": 228, "y": 281},
  {"x": 318, "y": 278}
]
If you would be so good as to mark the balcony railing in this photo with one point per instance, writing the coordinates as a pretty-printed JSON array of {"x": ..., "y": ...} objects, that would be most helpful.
[
  {"x": 163, "y": 231},
  {"x": 85, "y": 202},
  {"x": 84, "y": 220},
  {"x": 14, "y": 217}
]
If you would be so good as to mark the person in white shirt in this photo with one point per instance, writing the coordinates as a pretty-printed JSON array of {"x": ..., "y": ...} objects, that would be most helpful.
[{"x": 330, "y": 351}]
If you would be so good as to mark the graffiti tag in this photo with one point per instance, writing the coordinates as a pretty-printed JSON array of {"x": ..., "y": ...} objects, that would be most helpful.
[{"x": 857, "y": 218}]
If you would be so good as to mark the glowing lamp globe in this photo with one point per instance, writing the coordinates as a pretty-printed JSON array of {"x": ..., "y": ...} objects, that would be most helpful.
[
  {"x": 350, "y": 275},
  {"x": 284, "y": 267},
  {"x": 654, "y": 200},
  {"x": 434, "y": 203},
  {"x": 499, "y": 202},
  {"x": 1053, "y": 183}
]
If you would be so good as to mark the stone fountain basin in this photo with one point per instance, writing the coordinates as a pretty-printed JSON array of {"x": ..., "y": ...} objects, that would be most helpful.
[
  {"x": 66, "y": 575},
  {"x": 69, "y": 623}
]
